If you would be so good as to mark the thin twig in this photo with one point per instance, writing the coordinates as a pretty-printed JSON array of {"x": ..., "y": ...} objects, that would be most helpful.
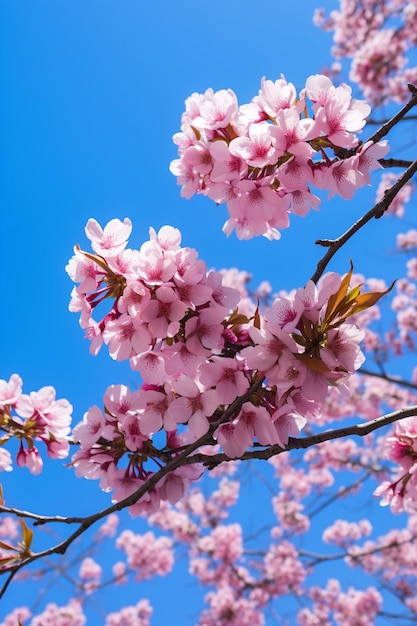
[
  {"x": 386, "y": 127},
  {"x": 376, "y": 212}
]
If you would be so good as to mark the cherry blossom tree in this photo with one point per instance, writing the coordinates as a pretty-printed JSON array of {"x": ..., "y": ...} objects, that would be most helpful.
[{"x": 298, "y": 388}]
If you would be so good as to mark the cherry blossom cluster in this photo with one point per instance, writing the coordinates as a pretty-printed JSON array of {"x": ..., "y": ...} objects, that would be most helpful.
[
  {"x": 208, "y": 369},
  {"x": 376, "y": 36},
  {"x": 30, "y": 418},
  {"x": 261, "y": 158}
]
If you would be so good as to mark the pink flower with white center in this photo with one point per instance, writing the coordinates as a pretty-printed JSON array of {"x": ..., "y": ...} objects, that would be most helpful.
[
  {"x": 275, "y": 96},
  {"x": 198, "y": 158},
  {"x": 151, "y": 366},
  {"x": 284, "y": 313},
  {"x": 254, "y": 422},
  {"x": 257, "y": 150},
  {"x": 232, "y": 447},
  {"x": 126, "y": 337},
  {"x": 342, "y": 351},
  {"x": 193, "y": 295},
  {"x": 338, "y": 121},
  {"x": 288, "y": 372},
  {"x": 93, "y": 426},
  {"x": 168, "y": 238},
  {"x": 193, "y": 406},
  {"x": 193, "y": 106},
  {"x": 217, "y": 110},
  {"x": 156, "y": 411},
  {"x": 112, "y": 240},
  {"x": 120, "y": 401},
  {"x": 190, "y": 270},
  {"x": 302, "y": 201},
  {"x": 52, "y": 415},
  {"x": 204, "y": 333},
  {"x": 318, "y": 88},
  {"x": 290, "y": 134},
  {"x": 268, "y": 350},
  {"x": 179, "y": 360},
  {"x": 85, "y": 271},
  {"x": 315, "y": 387},
  {"x": 135, "y": 296},
  {"x": 123, "y": 482},
  {"x": 225, "y": 297},
  {"x": 222, "y": 193},
  {"x": 288, "y": 423},
  {"x": 369, "y": 154},
  {"x": 226, "y": 376},
  {"x": 164, "y": 313},
  {"x": 154, "y": 266},
  {"x": 226, "y": 166},
  {"x": 11, "y": 391},
  {"x": 253, "y": 209},
  {"x": 295, "y": 174},
  {"x": 172, "y": 487},
  {"x": 187, "y": 177},
  {"x": 129, "y": 425},
  {"x": 342, "y": 177}
]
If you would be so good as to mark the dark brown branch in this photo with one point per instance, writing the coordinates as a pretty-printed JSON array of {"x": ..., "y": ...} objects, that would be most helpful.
[
  {"x": 307, "y": 442},
  {"x": 377, "y": 211},
  {"x": 394, "y": 163},
  {"x": 386, "y": 127}
]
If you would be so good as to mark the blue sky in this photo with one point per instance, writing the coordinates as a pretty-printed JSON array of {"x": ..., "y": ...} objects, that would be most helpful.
[{"x": 93, "y": 91}]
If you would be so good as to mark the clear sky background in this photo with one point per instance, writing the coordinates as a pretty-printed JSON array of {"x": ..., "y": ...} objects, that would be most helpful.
[{"x": 92, "y": 92}]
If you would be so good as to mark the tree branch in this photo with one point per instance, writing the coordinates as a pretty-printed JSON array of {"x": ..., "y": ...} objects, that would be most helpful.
[
  {"x": 376, "y": 212},
  {"x": 386, "y": 127},
  {"x": 307, "y": 442},
  {"x": 394, "y": 163}
]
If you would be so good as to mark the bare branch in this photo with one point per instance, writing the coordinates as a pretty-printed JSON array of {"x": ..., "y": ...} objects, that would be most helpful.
[
  {"x": 386, "y": 127},
  {"x": 394, "y": 163},
  {"x": 376, "y": 212}
]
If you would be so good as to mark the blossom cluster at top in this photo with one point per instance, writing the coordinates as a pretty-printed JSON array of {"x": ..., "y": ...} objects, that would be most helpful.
[
  {"x": 377, "y": 37},
  {"x": 261, "y": 158},
  {"x": 208, "y": 368}
]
